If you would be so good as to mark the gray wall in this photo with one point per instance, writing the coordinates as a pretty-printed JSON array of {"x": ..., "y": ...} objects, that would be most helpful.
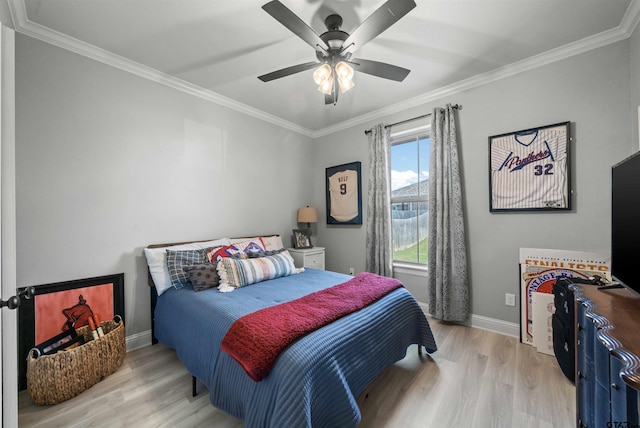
[
  {"x": 5, "y": 14},
  {"x": 591, "y": 90},
  {"x": 108, "y": 162}
]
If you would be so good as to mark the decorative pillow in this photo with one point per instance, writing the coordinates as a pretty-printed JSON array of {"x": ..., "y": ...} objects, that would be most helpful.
[
  {"x": 254, "y": 246},
  {"x": 262, "y": 254},
  {"x": 157, "y": 261},
  {"x": 236, "y": 273},
  {"x": 203, "y": 276},
  {"x": 245, "y": 247},
  {"x": 215, "y": 254},
  {"x": 272, "y": 242},
  {"x": 177, "y": 260}
]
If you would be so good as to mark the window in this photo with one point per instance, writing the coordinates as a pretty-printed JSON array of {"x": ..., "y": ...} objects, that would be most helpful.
[{"x": 409, "y": 195}]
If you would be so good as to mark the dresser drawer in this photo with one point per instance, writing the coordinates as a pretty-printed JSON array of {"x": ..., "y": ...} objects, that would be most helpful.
[
  {"x": 315, "y": 261},
  {"x": 624, "y": 400},
  {"x": 308, "y": 257}
]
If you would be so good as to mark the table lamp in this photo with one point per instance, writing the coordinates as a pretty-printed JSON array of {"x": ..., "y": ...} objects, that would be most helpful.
[{"x": 307, "y": 215}]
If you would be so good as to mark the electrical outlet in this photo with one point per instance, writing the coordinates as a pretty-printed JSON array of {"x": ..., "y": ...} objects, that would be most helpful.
[
  {"x": 352, "y": 271},
  {"x": 509, "y": 299}
]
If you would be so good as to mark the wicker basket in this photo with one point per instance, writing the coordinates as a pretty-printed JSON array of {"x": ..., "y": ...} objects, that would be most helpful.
[{"x": 52, "y": 379}]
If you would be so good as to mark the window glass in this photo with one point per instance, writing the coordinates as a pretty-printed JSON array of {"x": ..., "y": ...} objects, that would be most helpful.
[
  {"x": 409, "y": 196},
  {"x": 404, "y": 169}
]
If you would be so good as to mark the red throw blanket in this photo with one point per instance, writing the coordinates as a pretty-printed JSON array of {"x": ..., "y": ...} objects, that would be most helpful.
[{"x": 256, "y": 339}]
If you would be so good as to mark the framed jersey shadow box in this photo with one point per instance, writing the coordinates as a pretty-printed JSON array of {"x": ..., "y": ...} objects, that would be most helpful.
[
  {"x": 529, "y": 169},
  {"x": 344, "y": 194}
]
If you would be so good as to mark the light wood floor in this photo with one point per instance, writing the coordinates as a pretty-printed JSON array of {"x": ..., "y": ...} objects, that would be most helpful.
[{"x": 475, "y": 379}]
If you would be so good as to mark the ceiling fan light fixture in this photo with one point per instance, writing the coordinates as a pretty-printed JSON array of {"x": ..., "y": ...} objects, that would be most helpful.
[
  {"x": 344, "y": 71},
  {"x": 322, "y": 74},
  {"x": 344, "y": 74},
  {"x": 335, "y": 47},
  {"x": 345, "y": 84},
  {"x": 326, "y": 87}
]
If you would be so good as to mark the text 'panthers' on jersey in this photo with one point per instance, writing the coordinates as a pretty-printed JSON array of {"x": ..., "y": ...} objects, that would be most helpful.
[{"x": 528, "y": 169}]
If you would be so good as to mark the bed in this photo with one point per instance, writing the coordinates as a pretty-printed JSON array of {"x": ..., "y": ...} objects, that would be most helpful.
[{"x": 316, "y": 379}]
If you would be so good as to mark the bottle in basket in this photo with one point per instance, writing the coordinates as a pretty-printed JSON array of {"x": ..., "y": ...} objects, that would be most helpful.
[
  {"x": 98, "y": 325},
  {"x": 92, "y": 326}
]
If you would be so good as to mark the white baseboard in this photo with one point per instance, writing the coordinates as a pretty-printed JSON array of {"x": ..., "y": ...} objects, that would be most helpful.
[
  {"x": 498, "y": 326},
  {"x": 424, "y": 307},
  {"x": 138, "y": 340},
  {"x": 486, "y": 323}
]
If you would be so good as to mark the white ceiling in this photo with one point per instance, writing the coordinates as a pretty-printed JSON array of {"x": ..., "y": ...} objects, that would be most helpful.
[{"x": 217, "y": 48}]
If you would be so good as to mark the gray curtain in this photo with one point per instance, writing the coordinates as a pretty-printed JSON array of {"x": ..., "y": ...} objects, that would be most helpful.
[
  {"x": 379, "y": 250},
  {"x": 448, "y": 282}
]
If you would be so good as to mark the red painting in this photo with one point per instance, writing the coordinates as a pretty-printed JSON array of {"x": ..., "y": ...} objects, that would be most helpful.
[{"x": 54, "y": 310}]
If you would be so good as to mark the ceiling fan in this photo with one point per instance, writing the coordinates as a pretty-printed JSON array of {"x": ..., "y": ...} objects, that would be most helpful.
[{"x": 335, "y": 47}]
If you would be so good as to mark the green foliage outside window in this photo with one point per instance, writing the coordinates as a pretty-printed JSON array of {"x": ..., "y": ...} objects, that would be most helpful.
[{"x": 411, "y": 254}]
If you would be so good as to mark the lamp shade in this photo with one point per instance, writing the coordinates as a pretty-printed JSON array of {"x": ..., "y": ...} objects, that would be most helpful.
[{"x": 307, "y": 215}]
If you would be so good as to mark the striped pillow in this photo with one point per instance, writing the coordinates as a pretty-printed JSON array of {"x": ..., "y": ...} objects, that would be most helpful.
[{"x": 236, "y": 273}]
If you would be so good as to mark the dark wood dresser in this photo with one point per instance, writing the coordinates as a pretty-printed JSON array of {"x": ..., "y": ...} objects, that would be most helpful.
[{"x": 607, "y": 357}]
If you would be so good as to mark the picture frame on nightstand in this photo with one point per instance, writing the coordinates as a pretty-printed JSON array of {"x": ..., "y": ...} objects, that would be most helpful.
[{"x": 302, "y": 238}]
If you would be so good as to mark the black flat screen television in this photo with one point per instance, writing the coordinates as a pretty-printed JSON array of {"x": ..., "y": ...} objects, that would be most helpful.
[{"x": 625, "y": 222}]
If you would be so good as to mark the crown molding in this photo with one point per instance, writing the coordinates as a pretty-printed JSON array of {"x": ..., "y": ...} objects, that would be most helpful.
[
  {"x": 631, "y": 17},
  {"x": 621, "y": 32},
  {"x": 45, "y": 34}
]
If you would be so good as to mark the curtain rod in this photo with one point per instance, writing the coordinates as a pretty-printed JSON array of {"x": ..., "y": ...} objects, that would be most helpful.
[{"x": 456, "y": 106}]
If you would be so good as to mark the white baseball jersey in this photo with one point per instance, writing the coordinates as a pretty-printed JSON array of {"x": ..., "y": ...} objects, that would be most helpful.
[
  {"x": 343, "y": 188},
  {"x": 528, "y": 169}
]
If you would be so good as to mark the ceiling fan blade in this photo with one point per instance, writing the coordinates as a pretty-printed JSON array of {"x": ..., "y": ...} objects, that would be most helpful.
[
  {"x": 379, "y": 69},
  {"x": 290, "y": 20},
  {"x": 384, "y": 17},
  {"x": 288, "y": 71}
]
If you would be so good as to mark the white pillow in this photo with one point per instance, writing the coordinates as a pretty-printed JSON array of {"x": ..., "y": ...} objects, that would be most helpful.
[
  {"x": 256, "y": 238},
  {"x": 272, "y": 243},
  {"x": 157, "y": 261}
]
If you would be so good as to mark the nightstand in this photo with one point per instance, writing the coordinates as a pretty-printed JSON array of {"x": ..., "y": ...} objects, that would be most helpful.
[{"x": 308, "y": 257}]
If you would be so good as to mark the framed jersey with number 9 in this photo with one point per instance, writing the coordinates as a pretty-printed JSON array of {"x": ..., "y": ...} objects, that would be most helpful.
[{"x": 344, "y": 196}]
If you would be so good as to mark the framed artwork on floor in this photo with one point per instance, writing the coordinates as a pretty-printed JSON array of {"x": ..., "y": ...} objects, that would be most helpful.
[{"x": 55, "y": 306}]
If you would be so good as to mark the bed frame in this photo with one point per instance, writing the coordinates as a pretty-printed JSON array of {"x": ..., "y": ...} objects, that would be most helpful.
[{"x": 154, "y": 297}]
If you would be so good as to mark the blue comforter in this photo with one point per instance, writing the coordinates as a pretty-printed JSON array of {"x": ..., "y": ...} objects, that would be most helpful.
[{"x": 316, "y": 380}]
